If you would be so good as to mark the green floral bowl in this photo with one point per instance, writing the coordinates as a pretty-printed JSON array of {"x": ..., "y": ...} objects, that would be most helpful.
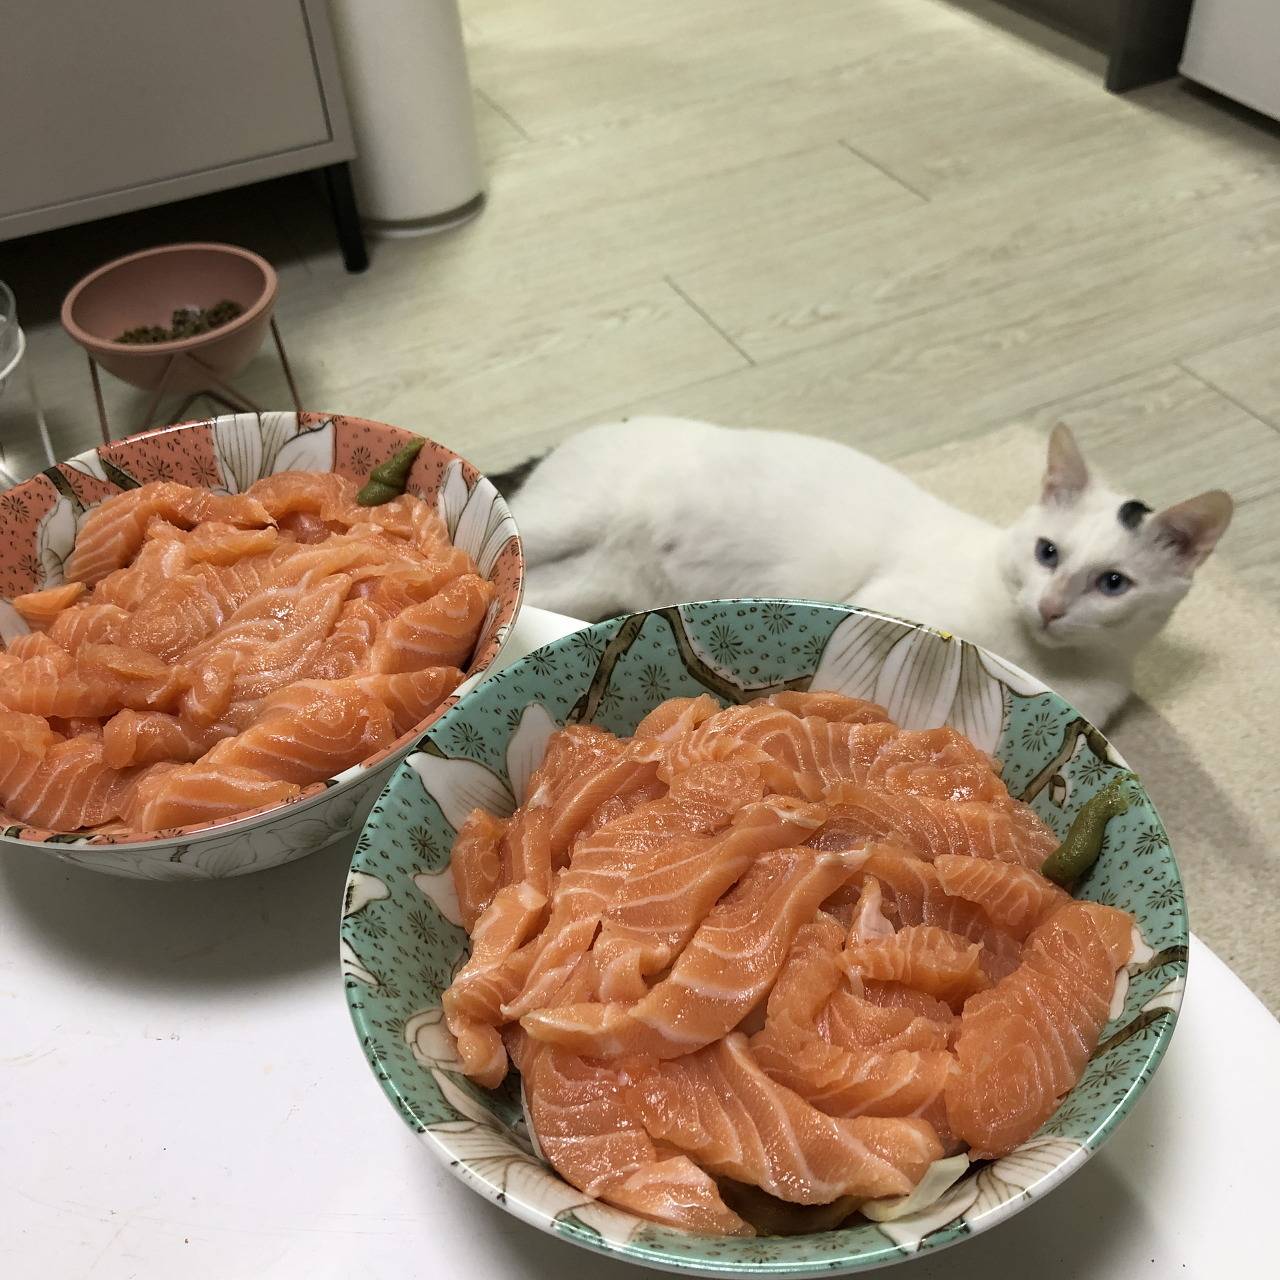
[{"x": 401, "y": 941}]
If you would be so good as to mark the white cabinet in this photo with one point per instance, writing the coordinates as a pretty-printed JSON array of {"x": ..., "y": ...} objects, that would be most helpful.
[
  {"x": 110, "y": 105},
  {"x": 1233, "y": 46}
]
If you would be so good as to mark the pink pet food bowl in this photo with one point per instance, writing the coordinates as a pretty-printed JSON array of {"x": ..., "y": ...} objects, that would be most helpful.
[{"x": 146, "y": 288}]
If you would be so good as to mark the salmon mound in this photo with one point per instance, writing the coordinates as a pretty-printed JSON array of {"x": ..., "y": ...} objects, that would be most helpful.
[
  {"x": 784, "y": 952},
  {"x": 212, "y": 653}
]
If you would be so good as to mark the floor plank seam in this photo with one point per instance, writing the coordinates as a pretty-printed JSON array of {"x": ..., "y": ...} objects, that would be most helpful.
[
  {"x": 499, "y": 109},
  {"x": 693, "y": 306},
  {"x": 888, "y": 173},
  {"x": 1226, "y": 395}
]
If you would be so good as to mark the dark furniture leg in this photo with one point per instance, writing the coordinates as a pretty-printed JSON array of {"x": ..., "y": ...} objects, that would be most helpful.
[
  {"x": 1147, "y": 43},
  {"x": 346, "y": 217},
  {"x": 1142, "y": 38}
]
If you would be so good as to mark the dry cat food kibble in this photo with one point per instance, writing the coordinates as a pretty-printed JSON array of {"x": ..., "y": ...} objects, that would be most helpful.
[
  {"x": 783, "y": 948},
  {"x": 187, "y": 322},
  {"x": 210, "y": 653}
]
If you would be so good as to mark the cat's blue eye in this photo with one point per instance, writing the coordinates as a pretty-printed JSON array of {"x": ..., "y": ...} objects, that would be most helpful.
[
  {"x": 1113, "y": 583},
  {"x": 1046, "y": 553}
]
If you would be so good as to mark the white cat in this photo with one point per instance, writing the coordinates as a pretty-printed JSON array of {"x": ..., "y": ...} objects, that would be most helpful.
[{"x": 654, "y": 511}]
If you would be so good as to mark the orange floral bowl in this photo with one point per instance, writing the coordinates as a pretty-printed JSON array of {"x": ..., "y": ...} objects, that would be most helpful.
[{"x": 41, "y": 519}]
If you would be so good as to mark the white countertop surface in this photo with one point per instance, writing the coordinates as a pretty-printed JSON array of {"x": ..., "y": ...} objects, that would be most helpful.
[{"x": 181, "y": 1095}]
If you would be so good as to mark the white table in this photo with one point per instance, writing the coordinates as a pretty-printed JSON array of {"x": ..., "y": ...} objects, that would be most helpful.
[{"x": 181, "y": 1095}]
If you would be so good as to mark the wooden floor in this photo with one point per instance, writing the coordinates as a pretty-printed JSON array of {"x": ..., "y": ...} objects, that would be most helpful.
[
  {"x": 900, "y": 223},
  {"x": 894, "y": 222}
]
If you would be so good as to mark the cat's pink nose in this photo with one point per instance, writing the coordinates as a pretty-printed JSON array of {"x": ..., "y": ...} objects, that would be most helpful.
[{"x": 1050, "y": 611}]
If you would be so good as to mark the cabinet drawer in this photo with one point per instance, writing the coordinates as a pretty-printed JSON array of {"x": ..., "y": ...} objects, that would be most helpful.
[{"x": 98, "y": 98}]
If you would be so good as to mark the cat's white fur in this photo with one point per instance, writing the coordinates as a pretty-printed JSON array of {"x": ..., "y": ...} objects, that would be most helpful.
[{"x": 653, "y": 511}]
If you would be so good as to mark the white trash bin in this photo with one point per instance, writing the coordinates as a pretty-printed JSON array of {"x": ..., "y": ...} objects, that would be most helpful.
[{"x": 405, "y": 69}]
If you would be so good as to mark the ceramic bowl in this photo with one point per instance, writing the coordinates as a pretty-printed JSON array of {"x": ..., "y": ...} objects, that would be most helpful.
[
  {"x": 40, "y": 520},
  {"x": 146, "y": 288},
  {"x": 401, "y": 940}
]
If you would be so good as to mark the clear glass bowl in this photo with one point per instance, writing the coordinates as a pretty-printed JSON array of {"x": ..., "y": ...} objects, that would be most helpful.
[{"x": 9, "y": 339}]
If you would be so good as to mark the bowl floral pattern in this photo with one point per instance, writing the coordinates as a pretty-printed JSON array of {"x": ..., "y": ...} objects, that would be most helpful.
[
  {"x": 401, "y": 939},
  {"x": 42, "y": 517}
]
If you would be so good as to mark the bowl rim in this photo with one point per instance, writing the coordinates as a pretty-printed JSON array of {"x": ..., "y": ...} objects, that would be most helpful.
[
  {"x": 92, "y": 342},
  {"x": 891, "y": 1253},
  {"x": 28, "y": 836}
]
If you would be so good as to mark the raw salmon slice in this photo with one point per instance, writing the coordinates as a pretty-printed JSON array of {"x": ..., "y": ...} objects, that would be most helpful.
[
  {"x": 702, "y": 802},
  {"x": 1025, "y": 1043},
  {"x": 584, "y": 802},
  {"x": 929, "y": 826},
  {"x": 571, "y": 780},
  {"x": 177, "y": 795},
  {"x": 675, "y": 717},
  {"x": 838, "y": 1079},
  {"x": 417, "y": 583},
  {"x": 411, "y": 696},
  {"x": 504, "y": 925},
  {"x": 866, "y": 918},
  {"x": 719, "y": 1107},
  {"x": 852, "y": 1021},
  {"x": 476, "y": 864},
  {"x": 674, "y": 756},
  {"x": 405, "y": 517},
  {"x": 309, "y": 731},
  {"x": 38, "y": 644},
  {"x": 345, "y": 650},
  {"x": 176, "y": 616},
  {"x": 724, "y": 972},
  {"x": 394, "y": 517},
  {"x": 440, "y": 633},
  {"x": 89, "y": 624},
  {"x": 44, "y": 687},
  {"x": 304, "y": 527},
  {"x": 941, "y": 763},
  {"x": 212, "y": 688},
  {"x": 526, "y": 850},
  {"x": 852, "y": 1081},
  {"x": 618, "y": 806},
  {"x": 96, "y": 682},
  {"x": 819, "y": 753},
  {"x": 811, "y": 974},
  {"x": 676, "y": 1193},
  {"x": 932, "y": 960},
  {"x": 160, "y": 560},
  {"x": 827, "y": 706},
  {"x": 41, "y": 609},
  {"x": 322, "y": 493},
  {"x": 145, "y": 737},
  {"x": 293, "y": 565},
  {"x": 138, "y": 679},
  {"x": 591, "y": 1133},
  {"x": 217, "y": 542},
  {"x": 274, "y": 639},
  {"x": 75, "y": 725},
  {"x": 233, "y": 585},
  {"x": 1016, "y": 898},
  {"x": 666, "y": 898},
  {"x": 912, "y": 893},
  {"x": 113, "y": 531},
  {"x": 52, "y": 784}
]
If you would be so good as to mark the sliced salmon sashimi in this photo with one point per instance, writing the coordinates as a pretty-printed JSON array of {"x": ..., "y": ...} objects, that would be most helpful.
[
  {"x": 282, "y": 635},
  {"x": 785, "y": 944}
]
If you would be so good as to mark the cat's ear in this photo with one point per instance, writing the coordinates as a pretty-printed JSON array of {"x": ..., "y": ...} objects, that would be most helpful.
[
  {"x": 1191, "y": 529},
  {"x": 1066, "y": 475}
]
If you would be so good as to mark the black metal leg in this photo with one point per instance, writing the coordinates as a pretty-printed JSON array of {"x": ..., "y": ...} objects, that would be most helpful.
[{"x": 346, "y": 217}]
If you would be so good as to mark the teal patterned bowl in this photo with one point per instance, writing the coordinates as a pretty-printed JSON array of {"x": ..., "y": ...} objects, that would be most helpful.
[{"x": 401, "y": 942}]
